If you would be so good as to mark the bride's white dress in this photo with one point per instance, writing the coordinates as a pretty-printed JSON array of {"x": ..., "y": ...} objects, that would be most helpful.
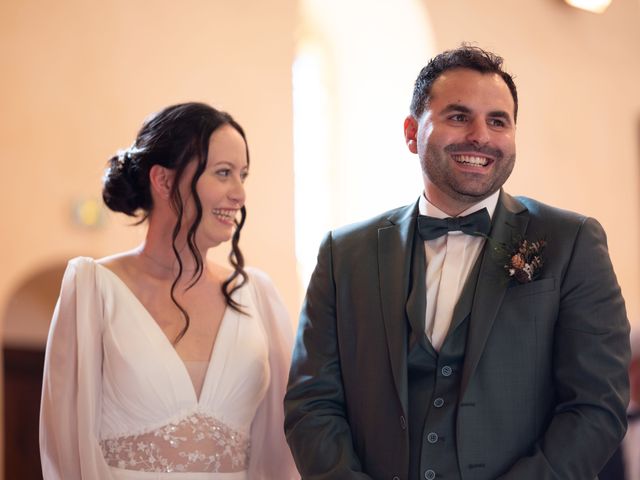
[{"x": 119, "y": 403}]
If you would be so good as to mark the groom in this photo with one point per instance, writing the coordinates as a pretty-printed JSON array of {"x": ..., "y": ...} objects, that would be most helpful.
[{"x": 472, "y": 335}]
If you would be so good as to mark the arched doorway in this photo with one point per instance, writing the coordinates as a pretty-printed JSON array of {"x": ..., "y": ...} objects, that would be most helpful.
[{"x": 25, "y": 325}]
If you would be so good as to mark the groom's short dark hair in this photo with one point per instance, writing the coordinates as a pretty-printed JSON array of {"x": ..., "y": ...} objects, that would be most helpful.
[{"x": 465, "y": 56}]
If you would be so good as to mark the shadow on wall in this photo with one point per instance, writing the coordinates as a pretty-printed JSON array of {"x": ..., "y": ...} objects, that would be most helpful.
[{"x": 25, "y": 325}]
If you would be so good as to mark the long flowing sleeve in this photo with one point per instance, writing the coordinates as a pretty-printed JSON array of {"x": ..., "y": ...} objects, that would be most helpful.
[
  {"x": 70, "y": 407},
  {"x": 270, "y": 455}
]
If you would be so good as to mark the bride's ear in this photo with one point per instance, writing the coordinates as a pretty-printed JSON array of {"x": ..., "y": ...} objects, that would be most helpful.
[{"x": 161, "y": 180}]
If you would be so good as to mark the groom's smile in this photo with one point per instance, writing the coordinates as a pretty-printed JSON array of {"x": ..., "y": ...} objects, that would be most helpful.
[{"x": 473, "y": 160}]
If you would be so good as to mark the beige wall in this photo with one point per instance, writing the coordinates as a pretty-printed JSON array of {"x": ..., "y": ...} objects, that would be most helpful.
[
  {"x": 579, "y": 121},
  {"x": 78, "y": 78}
]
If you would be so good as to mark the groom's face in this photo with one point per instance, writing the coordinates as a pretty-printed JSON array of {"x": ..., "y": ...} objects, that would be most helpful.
[{"x": 465, "y": 138}]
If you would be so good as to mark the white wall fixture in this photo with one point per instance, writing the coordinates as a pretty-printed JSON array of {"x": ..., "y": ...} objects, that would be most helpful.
[{"x": 595, "y": 6}]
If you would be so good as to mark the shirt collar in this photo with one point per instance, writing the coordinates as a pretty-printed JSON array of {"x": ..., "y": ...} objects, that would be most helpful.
[{"x": 427, "y": 208}]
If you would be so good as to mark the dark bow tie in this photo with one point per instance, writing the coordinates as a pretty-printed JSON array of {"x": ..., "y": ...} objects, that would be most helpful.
[{"x": 476, "y": 223}]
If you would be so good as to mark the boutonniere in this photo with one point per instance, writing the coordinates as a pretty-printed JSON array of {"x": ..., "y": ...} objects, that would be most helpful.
[
  {"x": 525, "y": 260},
  {"x": 522, "y": 259}
]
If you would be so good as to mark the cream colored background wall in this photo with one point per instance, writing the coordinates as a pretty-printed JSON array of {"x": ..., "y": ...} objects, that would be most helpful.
[
  {"x": 579, "y": 121},
  {"x": 78, "y": 77}
]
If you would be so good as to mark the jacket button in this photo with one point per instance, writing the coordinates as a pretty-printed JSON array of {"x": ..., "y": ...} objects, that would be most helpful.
[
  {"x": 432, "y": 437},
  {"x": 396, "y": 478},
  {"x": 438, "y": 402},
  {"x": 403, "y": 422},
  {"x": 446, "y": 371},
  {"x": 429, "y": 474}
]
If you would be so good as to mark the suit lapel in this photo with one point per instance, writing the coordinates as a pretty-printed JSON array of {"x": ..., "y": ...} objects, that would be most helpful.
[
  {"x": 509, "y": 222},
  {"x": 395, "y": 243},
  {"x": 417, "y": 300}
]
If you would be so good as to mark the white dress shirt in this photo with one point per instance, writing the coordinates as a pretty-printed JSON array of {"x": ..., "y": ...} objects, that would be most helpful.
[{"x": 449, "y": 261}]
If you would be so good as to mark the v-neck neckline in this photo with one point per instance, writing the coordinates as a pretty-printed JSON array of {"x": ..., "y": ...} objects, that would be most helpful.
[{"x": 155, "y": 327}]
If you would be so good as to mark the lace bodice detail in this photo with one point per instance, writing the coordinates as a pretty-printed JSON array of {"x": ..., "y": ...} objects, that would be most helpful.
[{"x": 198, "y": 443}]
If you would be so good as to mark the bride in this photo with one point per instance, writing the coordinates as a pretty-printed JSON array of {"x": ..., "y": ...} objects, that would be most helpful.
[{"x": 161, "y": 364}]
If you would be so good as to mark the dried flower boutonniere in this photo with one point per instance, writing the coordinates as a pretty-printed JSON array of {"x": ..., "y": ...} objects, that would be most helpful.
[
  {"x": 525, "y": 260},
  {"x": 521, "y": 258}
]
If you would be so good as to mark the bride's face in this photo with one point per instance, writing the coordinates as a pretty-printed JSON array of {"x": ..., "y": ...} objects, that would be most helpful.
[{"x": 220, "y": 188}]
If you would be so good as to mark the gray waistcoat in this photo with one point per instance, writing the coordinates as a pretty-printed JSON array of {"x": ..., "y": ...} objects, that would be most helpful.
[{"x": 434, "y": 382}]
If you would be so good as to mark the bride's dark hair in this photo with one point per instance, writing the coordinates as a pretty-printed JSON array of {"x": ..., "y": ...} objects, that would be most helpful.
[{"x": 173, "y": 138}]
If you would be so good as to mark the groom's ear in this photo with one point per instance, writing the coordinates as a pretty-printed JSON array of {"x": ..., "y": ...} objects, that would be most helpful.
[{"x": 410, "y": 133}]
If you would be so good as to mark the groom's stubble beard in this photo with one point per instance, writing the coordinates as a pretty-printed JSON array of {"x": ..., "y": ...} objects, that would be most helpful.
[{"x": 464, "y": 187}]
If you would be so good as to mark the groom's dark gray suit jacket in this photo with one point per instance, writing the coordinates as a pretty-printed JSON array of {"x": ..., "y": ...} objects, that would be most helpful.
[{"x": 543, "y": 388}]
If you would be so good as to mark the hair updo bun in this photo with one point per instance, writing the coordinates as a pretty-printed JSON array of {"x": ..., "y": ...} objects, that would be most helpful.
[
  {"x": 125, "y": 187},
  {"x": 174, "y": 138}
]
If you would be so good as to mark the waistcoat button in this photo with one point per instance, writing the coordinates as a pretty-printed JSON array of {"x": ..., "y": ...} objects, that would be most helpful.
[
  {"x": 429, "y": 474},
  {"x": 446, "y": 371},
  {"x": 403, "y": 422},
  {"x": 438, "y": 402}
]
